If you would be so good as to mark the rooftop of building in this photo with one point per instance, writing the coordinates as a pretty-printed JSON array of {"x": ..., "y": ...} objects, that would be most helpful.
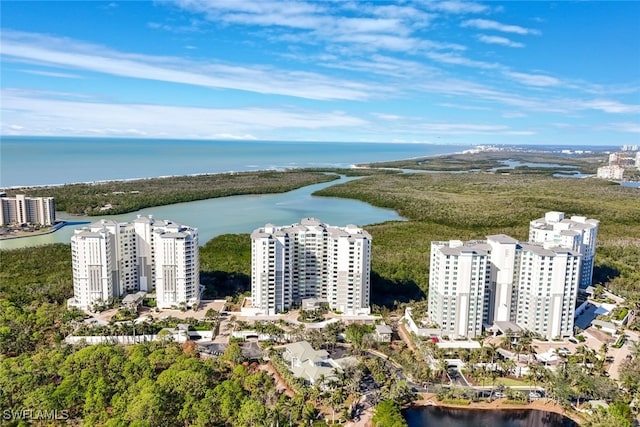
[
  {"x": 459, "y": 247},
  {"x": 502, "y": 238},
  {"x": 303, "y": 351},
  {"x": 311, "y": 226},
  {"x": 551, "y": 251}
]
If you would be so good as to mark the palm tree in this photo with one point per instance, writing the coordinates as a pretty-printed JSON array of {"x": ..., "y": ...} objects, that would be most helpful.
[
  {"x": 634, "y": 348},
  {"x": 482, "y": 374},
  {"x": 562, "y": 356},
  {"x": 441, "y": 367},
  {"x": 582, "y": 351},
  {"x": 532, "y": 375},
  {"x": 492, "y": 350},
  {"x": 507, "y": 365}
]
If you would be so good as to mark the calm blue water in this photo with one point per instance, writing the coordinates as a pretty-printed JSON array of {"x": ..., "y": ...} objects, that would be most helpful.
[
  {"x": 437, "y": 417},
  {"x": 237, "y": 214},
  {"x": 26, "y": 161}
]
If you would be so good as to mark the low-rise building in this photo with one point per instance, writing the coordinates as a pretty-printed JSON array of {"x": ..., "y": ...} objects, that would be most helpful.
[
  {"x": 383, "y": 333},
  {"x": 307, "y": 363}
]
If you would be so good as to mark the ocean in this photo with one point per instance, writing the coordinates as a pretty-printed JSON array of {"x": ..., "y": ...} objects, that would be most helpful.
[{"x": 31, "y": 161}]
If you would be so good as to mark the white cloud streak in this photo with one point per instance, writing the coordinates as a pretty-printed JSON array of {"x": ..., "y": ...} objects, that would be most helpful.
[
  {"x": 486, "y": 24},
  {"x": 456, "y": 7},
  {"x": 626, "y": 127},
  {"x": 33, "y": 114},
  {"x": 532, "y": 79},
  {"x": 71, "y": 54},
  {"x": 52, "y": 74},
  {"x": 369, "y": 26},
  {"x": 503, "y": 41}
]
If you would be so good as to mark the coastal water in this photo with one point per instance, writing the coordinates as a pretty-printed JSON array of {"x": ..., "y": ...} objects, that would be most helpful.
[
  {"x": 436, "y": 417},
  {"x": 27, "y": 161},
  {"x": 236, "y": 214}
]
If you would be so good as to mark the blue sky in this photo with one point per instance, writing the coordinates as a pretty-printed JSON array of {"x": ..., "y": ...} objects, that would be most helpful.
[{"x": 425, "y": 71}]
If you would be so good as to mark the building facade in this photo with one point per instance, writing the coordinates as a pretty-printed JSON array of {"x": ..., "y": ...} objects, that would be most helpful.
[
  {"x": 548, "y": 279},
  {"x": 576, "y": 233},
  {"x": 458, "y": 284},
  {"x": 21, "y": 210},
  {"x": 614, "y": 172},
  {"x": 474, "y": 284},
  {"x": 310, "y": 260},
  {"x": 112, "y": 259}
]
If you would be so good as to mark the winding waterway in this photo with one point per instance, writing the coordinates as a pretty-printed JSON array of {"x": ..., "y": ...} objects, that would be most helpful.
[{"x": 236, "y": 214}]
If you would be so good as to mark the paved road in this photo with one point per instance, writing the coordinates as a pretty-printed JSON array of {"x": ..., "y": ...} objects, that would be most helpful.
[{"x": 620, "y": 354}]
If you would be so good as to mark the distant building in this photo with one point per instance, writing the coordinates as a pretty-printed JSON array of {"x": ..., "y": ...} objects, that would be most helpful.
[
  {"x": 112, "y": 259},
  {"x": 310, "y": 260},
  {"x": 576, "y": 233},
  {"x": 21, "y": 210},
  {"x": 614, "y": 172}
]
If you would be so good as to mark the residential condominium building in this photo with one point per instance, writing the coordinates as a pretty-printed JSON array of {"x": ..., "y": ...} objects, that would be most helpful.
[
  {"x": 547, "y": 279},
  {"x": 458, "y": 284},
  {"x": 21, "y": 209},
  {"x": 310, "y": 260},
  {"x": 615, "y": 172},
  {"x": 111, "y": 259},
  {"x": 474, "y": 284},
  {"x": 576, "y": 233}
]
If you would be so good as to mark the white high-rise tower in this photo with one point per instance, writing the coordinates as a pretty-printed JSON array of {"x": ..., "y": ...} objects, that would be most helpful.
[
  {"x": 111, "y": 259},
  {"x": 577, "y": 233},
  {"x": 310, "y": 260}
]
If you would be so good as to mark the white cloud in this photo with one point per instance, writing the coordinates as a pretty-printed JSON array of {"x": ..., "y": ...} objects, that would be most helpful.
[
  {"x": 71, "y": 54},
  {"x": 485, "y": 24},
  {"x": 628, "y": 127},
  {"x": 456, "y": 7},
  {"x": 503, "y": 41},
  {"x": 471, "y": 129},
  {"x": 369, "y": 26},
  {"x": 42, "y": 115},
  {"x": 532, "y": 79},
  {"x": 513, "y": 115},
  {"x": 609, "y": 106},
  {"x": 52, "y": 74},
  {"x": 453, "y": 58},
  {"x": 464, "y": 106},
  {"x": 388, "y": 117}
]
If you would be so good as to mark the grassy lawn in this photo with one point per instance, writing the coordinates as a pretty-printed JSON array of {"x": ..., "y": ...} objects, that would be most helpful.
[{"x": 512, "y": 382}]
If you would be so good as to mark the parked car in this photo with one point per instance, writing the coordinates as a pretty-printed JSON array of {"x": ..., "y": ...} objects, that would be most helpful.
[
  {"x": 534, "y": 395},
  {"x": 498, "y": 395}
]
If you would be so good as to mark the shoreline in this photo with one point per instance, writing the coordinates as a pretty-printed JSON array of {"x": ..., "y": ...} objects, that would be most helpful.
[
  {"x": 53, "y": 229},
  {"x": 230, "y": 172},
  {"x": 544, "y": 404},
  {"x": 147, "y": 178}
]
